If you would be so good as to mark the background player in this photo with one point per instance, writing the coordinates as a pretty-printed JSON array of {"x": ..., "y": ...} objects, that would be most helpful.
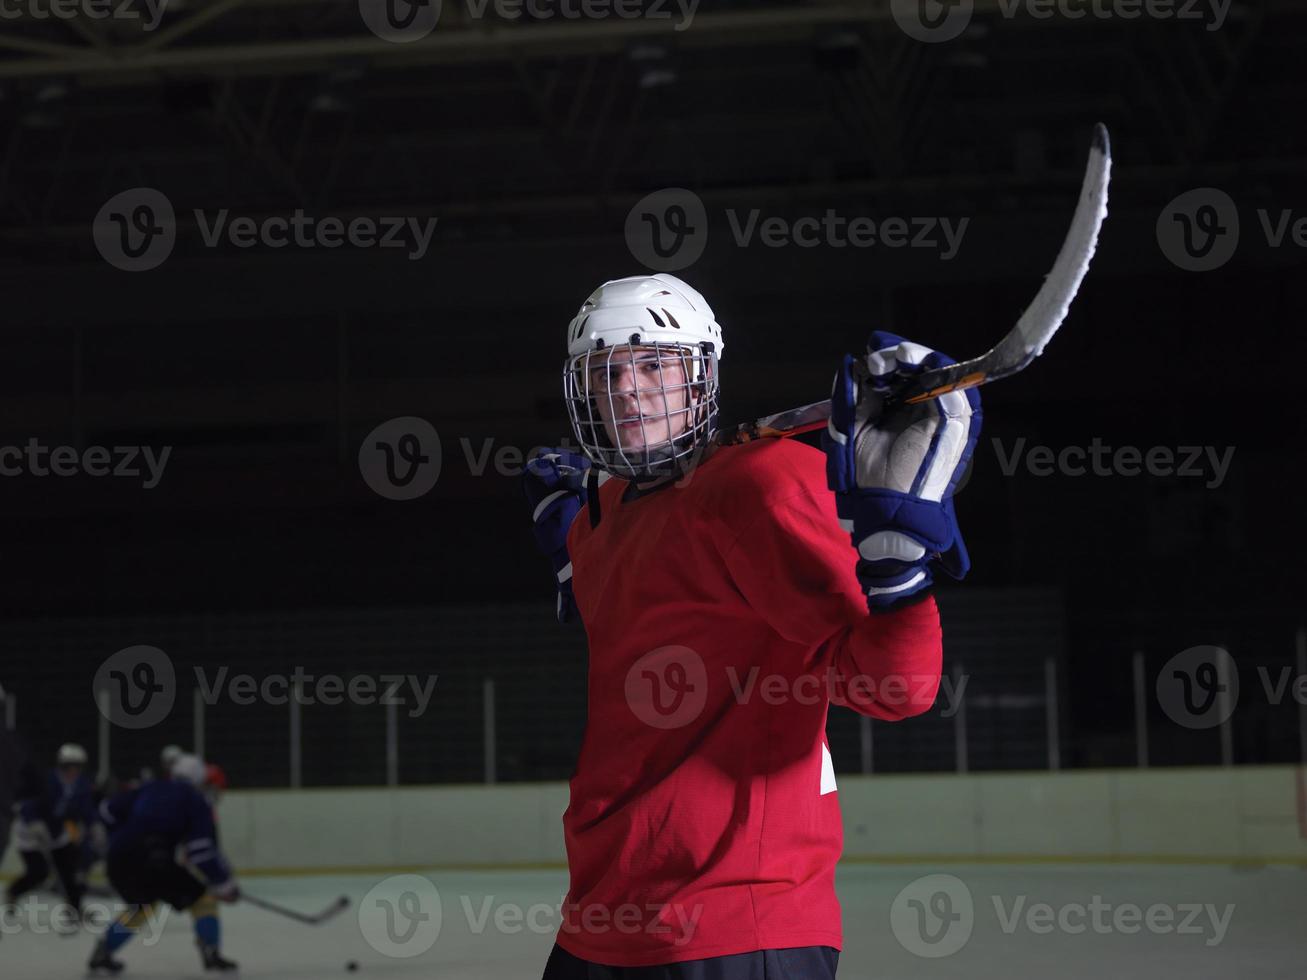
[
  {"x": 147, "y": 826},
  {"x": 704, "y": 829},
  {"x": 55, "y": 822}
]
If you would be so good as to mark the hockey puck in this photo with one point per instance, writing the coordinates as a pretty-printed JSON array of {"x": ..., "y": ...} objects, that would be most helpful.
[{"x": 352, "y": 966}]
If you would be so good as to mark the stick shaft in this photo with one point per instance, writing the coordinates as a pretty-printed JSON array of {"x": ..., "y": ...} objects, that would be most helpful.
[
  {"x": 809, "y": 418},
  {"x": 311, "y": 920}
]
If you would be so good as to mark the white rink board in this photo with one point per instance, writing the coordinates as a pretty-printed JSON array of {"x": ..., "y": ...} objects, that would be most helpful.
[
  {"x": 1200, "y": 814},
  {"x": 1241, "y": 814}
]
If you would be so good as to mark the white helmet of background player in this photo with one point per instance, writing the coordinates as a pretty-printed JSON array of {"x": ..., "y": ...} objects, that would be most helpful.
[
  {"x": 641, "y": 378},
  {"x": 189, "y": 769},
  {"x": 71, "y": 754}
]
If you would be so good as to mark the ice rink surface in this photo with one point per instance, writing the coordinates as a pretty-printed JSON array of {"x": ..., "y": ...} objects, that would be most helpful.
[{"x": 900, "y": 921}]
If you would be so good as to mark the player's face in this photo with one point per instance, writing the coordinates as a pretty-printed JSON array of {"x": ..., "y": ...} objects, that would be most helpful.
[
  {"x": 70, "y": 773},
  {"x": 643, "y": 396}
]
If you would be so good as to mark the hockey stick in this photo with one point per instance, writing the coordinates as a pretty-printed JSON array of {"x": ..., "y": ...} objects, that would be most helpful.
[
  {"x": 330, "y": 912},
  {"x": 1013, "y": 353}
]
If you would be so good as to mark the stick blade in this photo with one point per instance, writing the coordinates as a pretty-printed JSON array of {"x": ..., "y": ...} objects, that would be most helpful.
[
  {"x": 333, "y": 910},
  {"x": 1041, "y": 319},
  {"x": 1045, "y": 314},
  {"x": 1022, "y": 344}
]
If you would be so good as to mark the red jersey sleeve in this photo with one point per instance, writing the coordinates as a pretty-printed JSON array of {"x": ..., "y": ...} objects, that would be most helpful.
[{"x": 794, "y": 565}]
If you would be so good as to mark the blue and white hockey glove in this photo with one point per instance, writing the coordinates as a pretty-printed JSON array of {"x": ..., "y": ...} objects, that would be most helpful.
[
  {"x": 555, "y": 488},
  {"x": 894, "y": 476}
]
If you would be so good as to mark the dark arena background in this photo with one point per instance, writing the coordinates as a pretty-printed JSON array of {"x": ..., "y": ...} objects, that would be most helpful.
[{"x": 286, "y": 287}]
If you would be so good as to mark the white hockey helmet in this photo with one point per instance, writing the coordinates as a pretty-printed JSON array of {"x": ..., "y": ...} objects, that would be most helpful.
[
  {"x": 71, "y": 754},
  {"x": 659, "y": 317},
  {"x": 169, "y": 755},
  {"x": 188, "y": 768}
]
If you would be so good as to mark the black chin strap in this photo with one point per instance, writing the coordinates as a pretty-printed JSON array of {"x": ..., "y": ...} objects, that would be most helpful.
[{"x": 592, "y": 496}]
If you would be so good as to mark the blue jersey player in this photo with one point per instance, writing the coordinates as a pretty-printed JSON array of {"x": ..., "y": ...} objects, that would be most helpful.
[
  {"x": 148, "y": 827},
  {"x": 54, "y": 820}
]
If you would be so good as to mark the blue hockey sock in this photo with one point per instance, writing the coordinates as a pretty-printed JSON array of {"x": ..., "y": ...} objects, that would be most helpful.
[
  {"x": 209, "y": 930},
  {"x": 117, "y": 936}
]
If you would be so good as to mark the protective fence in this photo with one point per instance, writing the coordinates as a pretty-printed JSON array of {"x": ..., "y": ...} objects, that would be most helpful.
[{"x": 497, "y": 693}]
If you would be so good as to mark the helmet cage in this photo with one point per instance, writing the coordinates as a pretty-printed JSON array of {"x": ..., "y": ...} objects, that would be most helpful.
[{"x": 689, "y": 403}]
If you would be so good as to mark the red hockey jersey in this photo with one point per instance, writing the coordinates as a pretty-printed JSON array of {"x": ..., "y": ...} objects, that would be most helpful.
[{"x": 723, "y": 615}]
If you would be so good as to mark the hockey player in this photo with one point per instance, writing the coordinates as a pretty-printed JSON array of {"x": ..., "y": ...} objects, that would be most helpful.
[
  {"x": 724, "y": 610},
  {"x": 147, "y": 826},
  {"x": 55, "y": 821}
]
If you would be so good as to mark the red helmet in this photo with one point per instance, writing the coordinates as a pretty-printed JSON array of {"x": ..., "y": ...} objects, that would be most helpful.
[{"x": 215, "y": 776}]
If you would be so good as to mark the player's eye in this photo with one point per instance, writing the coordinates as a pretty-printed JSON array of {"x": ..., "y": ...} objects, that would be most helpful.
[{"x": 610, "y": 375}]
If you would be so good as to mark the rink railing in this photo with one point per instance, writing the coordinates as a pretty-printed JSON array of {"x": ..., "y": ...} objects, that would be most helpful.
[{"x": 390, "y": 744}]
